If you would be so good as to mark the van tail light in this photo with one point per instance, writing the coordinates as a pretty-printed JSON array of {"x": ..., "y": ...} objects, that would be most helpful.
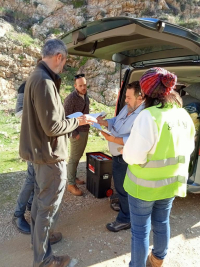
[{"x": 109, "y": 192}]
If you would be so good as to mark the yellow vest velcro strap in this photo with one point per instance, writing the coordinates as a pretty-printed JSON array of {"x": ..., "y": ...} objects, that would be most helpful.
[
  {"x": 163, "y": 162},
  {"x": 156, "y": 184}
]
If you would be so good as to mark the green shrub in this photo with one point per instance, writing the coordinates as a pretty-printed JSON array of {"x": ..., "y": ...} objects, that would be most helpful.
[
  {"x": 23, "y": 38},
  {"x": 55, "y": 31},
  {"x": 21, "y": 57},
  {"x": 83, "y": 60},
  {"x": 78, "y": 3},
  {"x": 148, "y": 12},
  {"x": 189, "y": 24},
  {"x": 35, "y": 4},
  {"x": 183, "y": 7}
]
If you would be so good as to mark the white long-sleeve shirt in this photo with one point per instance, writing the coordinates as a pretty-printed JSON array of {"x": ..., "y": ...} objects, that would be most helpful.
[{"x": 142, "y": 140}]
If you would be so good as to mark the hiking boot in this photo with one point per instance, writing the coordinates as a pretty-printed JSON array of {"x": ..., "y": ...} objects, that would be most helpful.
[
  {"x": 21, "y": 224},
  {"x": 114, "y": 202},
  {"x": 54, "y": 238},
  {"x": 72, "y": 188},
  {"x": 59, "y": 261},
  {"x": 117, "y": 226},
  {"x": 152, "y": 261},
  {"x": 115, "y": 206},
  {"x": 28, "y": 206},
  {"x": 80, "y": 182}
]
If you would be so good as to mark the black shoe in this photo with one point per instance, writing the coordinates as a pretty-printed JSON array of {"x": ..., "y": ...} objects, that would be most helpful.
[
  {"x": 117, "y": 226},
  {"x": 54, "y": 238},
  {"x": 21, "y": 224},
  {"x": 114, "y": 202},
  {"x": 28, "y": 206},
  {"x": 115, "y": 206}
]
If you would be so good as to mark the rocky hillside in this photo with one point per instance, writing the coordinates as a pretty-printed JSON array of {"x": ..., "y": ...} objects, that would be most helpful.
[{"x": 26, "y": 24}]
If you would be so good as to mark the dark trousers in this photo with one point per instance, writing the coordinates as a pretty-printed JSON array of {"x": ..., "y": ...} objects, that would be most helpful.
[
  {"x": 27, "y": 191},
  {"x": 119, "y": 168},
  {"x": 49, "y": 189}
]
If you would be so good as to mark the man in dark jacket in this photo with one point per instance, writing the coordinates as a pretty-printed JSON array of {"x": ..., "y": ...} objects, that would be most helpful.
[
  {"x": 43, "y": 141},
  {"x": 77, "y": 101}
]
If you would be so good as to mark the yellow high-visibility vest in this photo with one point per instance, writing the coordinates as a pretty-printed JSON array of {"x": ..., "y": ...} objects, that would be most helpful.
[{"x": 165, "y": 173}]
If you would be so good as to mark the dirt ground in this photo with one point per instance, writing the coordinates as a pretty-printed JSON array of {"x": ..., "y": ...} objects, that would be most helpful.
[{"x": 85, "y": 238}]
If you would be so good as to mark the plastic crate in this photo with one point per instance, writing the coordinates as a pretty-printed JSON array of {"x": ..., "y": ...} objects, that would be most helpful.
[{"x": 99, "y": 173}]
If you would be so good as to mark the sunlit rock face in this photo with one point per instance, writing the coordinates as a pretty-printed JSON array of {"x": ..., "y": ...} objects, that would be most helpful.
[{"x": 44, "y": 19}]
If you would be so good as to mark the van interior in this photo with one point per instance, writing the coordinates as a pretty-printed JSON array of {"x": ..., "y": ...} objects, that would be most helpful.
[{"x": 188, "y": 86}]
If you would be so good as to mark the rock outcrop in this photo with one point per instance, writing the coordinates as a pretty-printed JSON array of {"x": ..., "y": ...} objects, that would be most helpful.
[
  {"x": 46, "y": 19},
  {"x": 16, "y": 60}
]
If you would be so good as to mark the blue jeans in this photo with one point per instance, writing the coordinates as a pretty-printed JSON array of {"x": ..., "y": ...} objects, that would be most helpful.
[
  {"x": 27, "y": 191},
  {"x": 119, "y": 168},
  {"x": 143, "y": 215}
]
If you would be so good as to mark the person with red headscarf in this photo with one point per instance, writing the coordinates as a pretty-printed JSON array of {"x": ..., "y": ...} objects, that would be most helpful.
[{"x": 158, "y": 154}]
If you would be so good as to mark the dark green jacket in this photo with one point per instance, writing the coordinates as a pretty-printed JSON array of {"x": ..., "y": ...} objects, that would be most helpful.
[{"x": 44, "y": 129}]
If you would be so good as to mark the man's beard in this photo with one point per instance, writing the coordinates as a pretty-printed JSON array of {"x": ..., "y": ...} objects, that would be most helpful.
[
  {"x": 130, "y": 109},
  {"x": 83, "y": 92}
]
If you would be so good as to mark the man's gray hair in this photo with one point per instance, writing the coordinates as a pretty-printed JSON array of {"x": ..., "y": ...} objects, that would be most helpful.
[{"x": 54, "y": 47}]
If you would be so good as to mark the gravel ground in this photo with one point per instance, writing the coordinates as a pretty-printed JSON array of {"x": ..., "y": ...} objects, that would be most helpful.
[
  {"x": 82, "y": 222},
  {"x": 11, "y": 184}
]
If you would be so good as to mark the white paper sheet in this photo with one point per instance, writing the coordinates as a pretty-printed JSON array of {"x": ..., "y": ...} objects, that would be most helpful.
[
  {"x": 93, "y": 115},
  {"x": 74, "y": 115}
]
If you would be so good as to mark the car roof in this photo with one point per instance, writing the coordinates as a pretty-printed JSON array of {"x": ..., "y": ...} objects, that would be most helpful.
[{"x": 133, "y": 41}]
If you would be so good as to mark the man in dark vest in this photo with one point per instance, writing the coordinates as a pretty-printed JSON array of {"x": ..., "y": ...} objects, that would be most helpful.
[{"x": 77, "y": 101}]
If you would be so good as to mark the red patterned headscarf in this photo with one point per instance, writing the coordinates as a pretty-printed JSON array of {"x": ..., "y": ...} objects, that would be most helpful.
[{"x": 157, "y": 82}]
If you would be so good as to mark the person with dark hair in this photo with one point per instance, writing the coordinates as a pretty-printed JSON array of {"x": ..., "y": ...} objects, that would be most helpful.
[
  {"x": 158, "y": 153},
  {"x": 120, "y": 127},
  {"x": 43, "y": 141},
  {"x": 77, "y": 101}
]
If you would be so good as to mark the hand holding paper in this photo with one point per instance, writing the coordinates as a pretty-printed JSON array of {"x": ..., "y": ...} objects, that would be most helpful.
[
  {"x": 86, "y": 119},
  {"x": 101, "y": 121}
]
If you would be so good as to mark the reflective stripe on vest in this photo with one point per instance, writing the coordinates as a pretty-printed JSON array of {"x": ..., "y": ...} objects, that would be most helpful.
[
  {"x": 156, "y": 184},
  {"x": 163, "y": 163}
]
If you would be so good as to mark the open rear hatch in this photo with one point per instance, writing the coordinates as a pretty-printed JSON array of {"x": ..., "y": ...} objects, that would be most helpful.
[{"x": 133, "y": 41}]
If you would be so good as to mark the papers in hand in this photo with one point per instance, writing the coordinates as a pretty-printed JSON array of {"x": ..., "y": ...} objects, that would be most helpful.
[
  {"x": 98, "y": 126},
  {"x": 91, "y": 117},
  {"x": 95, "y": 115},
  {"x": 78, "y": 114},
  {"x": 74, "y": 115}
]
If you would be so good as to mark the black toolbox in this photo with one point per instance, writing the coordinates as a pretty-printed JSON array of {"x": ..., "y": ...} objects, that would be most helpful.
[{"x": 99, "y": 174}]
